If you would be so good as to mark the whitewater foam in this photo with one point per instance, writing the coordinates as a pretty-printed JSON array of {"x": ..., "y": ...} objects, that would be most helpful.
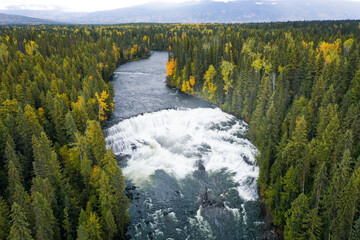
[{"x": 176, "y": 140}]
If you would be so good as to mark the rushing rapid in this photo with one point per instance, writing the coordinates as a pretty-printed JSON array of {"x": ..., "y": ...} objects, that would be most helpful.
[{"x": 191, "y": 173}]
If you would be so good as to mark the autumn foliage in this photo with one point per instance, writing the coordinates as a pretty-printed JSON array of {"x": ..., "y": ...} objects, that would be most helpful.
[
  {"x": 103, "y": 106},
  {"x": 170, "y": 67}
]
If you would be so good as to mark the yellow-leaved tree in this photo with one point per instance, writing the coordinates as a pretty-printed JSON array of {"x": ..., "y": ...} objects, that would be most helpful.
[
  {"x": 187, "y": 85},
  {"x": 31, "y": 47},
  {"x": 209, "y": 87},
  {"x": 103, "y": 107},
  {"x": 170, "y": 67},
  {"x": 226, "y": 71}
]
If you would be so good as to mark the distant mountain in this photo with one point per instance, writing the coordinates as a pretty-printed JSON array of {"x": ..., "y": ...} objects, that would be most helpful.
[
  {"x": 206, "y": 11},
  {"x": 9, "y": 19}
]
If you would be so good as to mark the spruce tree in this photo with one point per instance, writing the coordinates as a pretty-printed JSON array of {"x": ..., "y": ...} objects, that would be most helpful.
[
  {"x": 44, "y": 218},
  {"x": 296, "y": 215},
  {"x": 19, "y": 224},
  {"x": 4, "y": 219}
]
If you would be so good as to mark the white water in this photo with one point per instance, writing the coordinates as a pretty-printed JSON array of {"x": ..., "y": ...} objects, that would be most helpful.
[{"x": 175, "y": 140}]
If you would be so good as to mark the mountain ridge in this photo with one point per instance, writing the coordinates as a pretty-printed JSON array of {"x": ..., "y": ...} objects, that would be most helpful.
[
  {"x": 12, "y": 19},
  {"x": 206, "y": 11}
]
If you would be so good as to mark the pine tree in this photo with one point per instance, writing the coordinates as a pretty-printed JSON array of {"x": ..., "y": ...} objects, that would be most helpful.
[
  {"x": 320, "y": 182},
  {"x": 295, "y": 148},
  {"x": 45, "y": 164},
  {"x": 93, "y": 227},
  {"x": 110, "y": 225},
  {"x": 4, "y": 219},
  {"x": 44, "y": 218},
  {"x": 355, "y": 231},
  {"x": 58, "y": 115},
  {"x": 340, "y": 177},
  {"x": 19, "y": 224},
  {"x": 258, "y": 118},
  {"x": 13, "y": 168},
  {"x": 4, "y": 136},
  {"x": 82, "y": 233},
  {"x": 312, "y": 225},
  {"x": 346, "y": 208},
  {"x": 70, "y": 128},
  {"x": 328, "y": 134},
  {"x": 296, "y": 215},
  {"x": 290, "y": 190},
  {"x": 96, "y": 141}
]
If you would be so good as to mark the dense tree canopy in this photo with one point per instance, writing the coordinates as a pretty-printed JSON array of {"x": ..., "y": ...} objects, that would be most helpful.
[
  {"x": 297, "y": 85},
  {"x": 55, "y": 95}
]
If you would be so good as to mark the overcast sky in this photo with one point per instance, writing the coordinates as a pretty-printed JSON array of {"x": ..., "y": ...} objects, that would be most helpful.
[
  {"x": 78, "y": 5},
  {"x": 91, "y": 5}
]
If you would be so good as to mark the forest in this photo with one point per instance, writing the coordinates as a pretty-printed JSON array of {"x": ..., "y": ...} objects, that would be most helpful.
[
  {"x": 57, "y": 179},
  {"x": 296, "y": 84}
]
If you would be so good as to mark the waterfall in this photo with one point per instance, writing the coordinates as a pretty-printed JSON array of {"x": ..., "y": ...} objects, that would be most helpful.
[{"x": 181, "y": 141}]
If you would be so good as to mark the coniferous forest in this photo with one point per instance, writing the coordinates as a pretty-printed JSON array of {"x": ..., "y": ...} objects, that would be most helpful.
[
  {"x": 298, "y": 87},
  {"x": 58, "y": 181},
  {"x": 296, "y": 84}
]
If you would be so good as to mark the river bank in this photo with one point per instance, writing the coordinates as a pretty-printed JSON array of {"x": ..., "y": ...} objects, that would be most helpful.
[
  {"x": 188, "y": 177},
  {"x": 273, "y": 232}
]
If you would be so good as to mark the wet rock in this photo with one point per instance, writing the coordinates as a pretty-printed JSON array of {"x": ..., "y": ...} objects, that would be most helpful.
[
  {"x": 201, "y": 167},
  {"x": 208, "y": 200}
]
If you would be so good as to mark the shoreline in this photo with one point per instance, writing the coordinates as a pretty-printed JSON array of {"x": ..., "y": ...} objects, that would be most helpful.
[{"x": 273, "y": 232}]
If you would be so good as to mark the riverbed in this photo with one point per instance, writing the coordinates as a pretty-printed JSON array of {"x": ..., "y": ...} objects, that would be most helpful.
[{"x": 190, "y": 172}]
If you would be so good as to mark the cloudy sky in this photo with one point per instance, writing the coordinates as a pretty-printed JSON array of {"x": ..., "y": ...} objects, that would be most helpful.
[
  {"x": 94, "y": 5},
  {"x": 77, "y": 5}
]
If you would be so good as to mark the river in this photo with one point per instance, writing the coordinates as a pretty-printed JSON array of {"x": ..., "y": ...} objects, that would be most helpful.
[{"x": 190, "y": 172}]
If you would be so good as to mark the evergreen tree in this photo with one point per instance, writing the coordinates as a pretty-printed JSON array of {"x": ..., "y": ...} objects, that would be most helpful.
[
  {"x": 296, "y": 216},
  {"x": 96, "y": 141},
  {"x": 93, "y": 227},
  {"x": 70, "y": 128},
  {"x": 312, "y": 225},
  {"x": 4, "y": 219},
  {"x": 295, "y": 148},
  {"x": 13, "y": 168},
  {"x": 44, "y": 217},
  {"x": 19, "y": 224},
  {"x": 355, "y": 231},
  {"x": 346, "y": 208}
]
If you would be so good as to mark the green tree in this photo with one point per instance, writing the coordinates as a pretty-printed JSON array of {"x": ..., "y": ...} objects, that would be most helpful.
[
  {"x": 320, "y": 182},
  {"x": 93, "y": 227},
  {"x": 70, "y": 128},
  {"x": 346, "y": 208},
  {"x": 19, "y": 224},
  {"x": 44, "y": 218},
  {"x": 295, "y": 148},
  {"x": 355, "y": 231},
  {"x": 296, "y": 217},
  {"x": 290, "y": 190},
  {"x": 4, "y": 219},
  {"x": 96, "y": 141},
  {"x": 13, "y": 168},
  {"x": 312, "y": 225}
]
